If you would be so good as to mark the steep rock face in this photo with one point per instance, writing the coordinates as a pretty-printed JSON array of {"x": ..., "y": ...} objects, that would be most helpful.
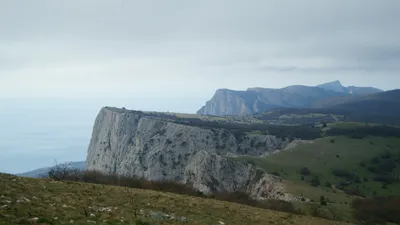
[
  {"x": 128, "y": 143},
  {"x": 229, "y": 102},
  {"x": 210, "y": 172},
  {"x": 255, "y": 100}
]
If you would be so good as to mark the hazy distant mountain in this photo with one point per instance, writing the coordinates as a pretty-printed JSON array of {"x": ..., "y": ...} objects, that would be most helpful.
[
  {"x": 42, "y": 172},
  {"x": 253, "y": 100},
  {"x": 384, "y": 103},
  {"x": 382, "y": 108},
  {"x": 337, "y": 87},
  {"x": 334, "y": 86}
]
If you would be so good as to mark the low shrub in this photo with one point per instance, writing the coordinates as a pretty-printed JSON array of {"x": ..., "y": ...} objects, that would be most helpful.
[
  {"x": 346, "y": 174},
  {"x": 387, "y": 179},
  {"x": 322, "y": 200},
  {"x": 354, "y": 191},
  {"x": 275, "y": 174},
  {"x": 315, "y": 181},
  {"x": 141, "y": 222},
  {"x": 305, "y": 171}
]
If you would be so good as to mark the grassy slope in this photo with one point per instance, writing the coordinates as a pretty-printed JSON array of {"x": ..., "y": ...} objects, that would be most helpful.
[
  {"x": 321, "y": 157},
  {"x": 351, "y": 125},
  {"x": 310, "y": 115},
  {"x": 67, "y": 201}
]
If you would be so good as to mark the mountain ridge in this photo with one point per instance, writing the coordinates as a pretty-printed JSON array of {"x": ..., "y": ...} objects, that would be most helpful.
[
  {"x": 43, "y": 172},
  {"x": 257, "y": 99},
  {"x": 352, "y": 90}
]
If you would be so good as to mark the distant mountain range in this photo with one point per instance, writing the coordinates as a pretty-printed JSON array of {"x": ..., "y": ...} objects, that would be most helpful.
[
  {"x": 255, "y": 100},
  {"x": 336, "y": 86},
  {"x": 42, "y": 172},
  {"x": 381, "y": 108}
]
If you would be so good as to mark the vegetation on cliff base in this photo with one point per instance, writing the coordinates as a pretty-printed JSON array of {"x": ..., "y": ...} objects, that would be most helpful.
[{"x": 63, "y": 173}]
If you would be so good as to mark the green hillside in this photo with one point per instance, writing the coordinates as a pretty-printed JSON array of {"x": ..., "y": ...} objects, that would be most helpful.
[
  {"x": 45, "y": 202},
  {"x": 326, "y": 158},
  {"x": 340, "y": 168}
]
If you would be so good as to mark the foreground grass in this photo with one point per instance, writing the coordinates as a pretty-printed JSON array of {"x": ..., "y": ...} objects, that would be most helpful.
[{"x": 42, "y": 201}]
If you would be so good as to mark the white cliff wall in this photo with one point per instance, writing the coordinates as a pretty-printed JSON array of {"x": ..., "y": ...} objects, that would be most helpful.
[{"x": 128, "y": 143}]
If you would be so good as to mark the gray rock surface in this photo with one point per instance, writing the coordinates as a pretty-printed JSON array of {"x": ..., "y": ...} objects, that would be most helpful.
[
  {"x": 230, "y": 102},
  {"x": 129, "y": 143}
]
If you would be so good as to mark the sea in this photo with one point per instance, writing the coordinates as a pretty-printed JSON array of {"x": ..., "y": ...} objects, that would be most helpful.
[{"x": 36, "y": 133}]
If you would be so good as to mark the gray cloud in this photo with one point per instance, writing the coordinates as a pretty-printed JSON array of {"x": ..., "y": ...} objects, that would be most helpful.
[{"x": 103, "y": 47}]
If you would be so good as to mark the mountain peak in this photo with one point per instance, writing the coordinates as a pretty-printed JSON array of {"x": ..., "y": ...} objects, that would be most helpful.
[
  {"x": 335, "y": 82},
  {"x": 333, "y": 86}
]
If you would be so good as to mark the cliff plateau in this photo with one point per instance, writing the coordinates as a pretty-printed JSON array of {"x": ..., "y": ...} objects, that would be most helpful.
[{"x": 135, "y": 144}]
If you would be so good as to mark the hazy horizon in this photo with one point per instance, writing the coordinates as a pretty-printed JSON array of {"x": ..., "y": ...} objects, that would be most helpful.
[{"x": 175, "y": 49}]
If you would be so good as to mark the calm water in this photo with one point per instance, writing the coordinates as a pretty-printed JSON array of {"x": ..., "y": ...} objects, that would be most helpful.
[
  {"x": 36, "y": 134},
  {"x": 39, "y": 133}
]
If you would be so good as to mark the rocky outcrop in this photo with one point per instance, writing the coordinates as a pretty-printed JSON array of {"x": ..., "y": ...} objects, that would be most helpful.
[
  {"x": 210, "y": 172},
  {"x": 129, "y": 143},
  {"x": 229, "y": 102},
  {"x": 255, "y": 100}
]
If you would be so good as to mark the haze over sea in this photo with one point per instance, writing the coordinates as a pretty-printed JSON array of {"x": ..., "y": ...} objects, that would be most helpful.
[{"x": 38, "y": 133}]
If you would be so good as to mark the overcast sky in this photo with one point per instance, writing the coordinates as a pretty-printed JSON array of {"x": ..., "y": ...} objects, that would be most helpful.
[{"x": 188, "y": 49}]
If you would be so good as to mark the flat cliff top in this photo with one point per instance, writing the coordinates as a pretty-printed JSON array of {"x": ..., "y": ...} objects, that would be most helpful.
[
  {"x": 162, "y": 114},
  {"x": 234, "y": 123},
  {"x": 175, "y": 117},
  {"x": 42, "y": 201},
  {"x": 121, "y": 110}
]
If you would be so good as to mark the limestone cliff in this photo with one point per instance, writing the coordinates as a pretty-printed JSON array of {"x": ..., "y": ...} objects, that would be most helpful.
[
  {"x": 131, "y": 143},
  {"x": 229, "y": 102}
]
